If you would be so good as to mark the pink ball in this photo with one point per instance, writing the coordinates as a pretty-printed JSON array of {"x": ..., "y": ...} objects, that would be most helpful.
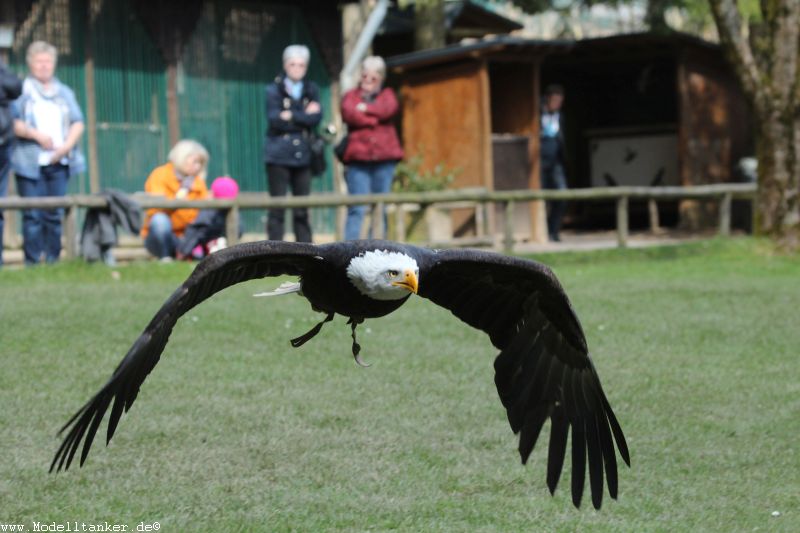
[{"x": 224, "y": 187}]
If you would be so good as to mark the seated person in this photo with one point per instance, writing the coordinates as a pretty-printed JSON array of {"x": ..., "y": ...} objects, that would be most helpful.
[
  {"x": 184, "y": 178},
  {"x": 207, "y": 233}
]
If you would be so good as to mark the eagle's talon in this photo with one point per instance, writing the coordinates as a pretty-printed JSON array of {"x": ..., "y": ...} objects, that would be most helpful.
[
  {"x": 358, "y": 359},
  {"x": 356, "y": 347}
]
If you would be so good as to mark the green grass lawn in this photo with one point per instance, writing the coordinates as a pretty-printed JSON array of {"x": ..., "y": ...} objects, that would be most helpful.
[{"x": 697, "y": 347}]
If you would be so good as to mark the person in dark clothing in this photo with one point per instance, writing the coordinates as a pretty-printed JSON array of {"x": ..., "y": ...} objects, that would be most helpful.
[
  {"x": 551, "y": 142},
  {"x": 10, "y": 89},
  {"x": 293, "y": 111}
]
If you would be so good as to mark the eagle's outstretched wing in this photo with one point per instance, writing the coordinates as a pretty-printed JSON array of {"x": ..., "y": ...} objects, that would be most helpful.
[
  {"x": 215, "y": 273},
  {"x": 543, "y": 369}
]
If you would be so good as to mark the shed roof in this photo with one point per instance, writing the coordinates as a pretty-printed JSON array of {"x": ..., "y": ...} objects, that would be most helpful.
[
  {"x": 643, "y": 42},
  {"x": 671, "y": 39},
  {"x": 476, "y": 48}
]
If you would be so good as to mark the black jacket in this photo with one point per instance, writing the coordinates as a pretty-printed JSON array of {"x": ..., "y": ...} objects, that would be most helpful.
[
  {"x": 209, "y": 224},
  {"x": 10, "y": 89},
  {"x": 286, "y": 142},
  {"x": 100, "y": 226}
]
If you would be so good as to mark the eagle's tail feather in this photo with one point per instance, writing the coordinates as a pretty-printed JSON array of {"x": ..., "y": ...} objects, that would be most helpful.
[{"x": 286, "y": 287}]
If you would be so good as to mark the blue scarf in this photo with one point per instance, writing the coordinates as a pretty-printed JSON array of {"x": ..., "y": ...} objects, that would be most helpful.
[{"x": 294, "y": 88}]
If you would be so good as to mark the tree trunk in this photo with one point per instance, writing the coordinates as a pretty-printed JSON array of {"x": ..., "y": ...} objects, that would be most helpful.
[
  {"x": 777, "y": 212},
  {"x": 768, "y": 69},
  {"x": 429, "y": 30}
]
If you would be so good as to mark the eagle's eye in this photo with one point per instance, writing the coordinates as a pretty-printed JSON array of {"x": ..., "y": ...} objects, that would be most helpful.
[{"x": 392, "y": 273}]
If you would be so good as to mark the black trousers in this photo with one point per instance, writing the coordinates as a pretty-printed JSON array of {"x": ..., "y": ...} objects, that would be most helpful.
[
  {"x": 280, "y": 180},
  {"x": 553, "y": 177}
]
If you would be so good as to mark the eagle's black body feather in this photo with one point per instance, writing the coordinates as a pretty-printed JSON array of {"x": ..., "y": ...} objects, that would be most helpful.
[{"x": 543, "y": 369}]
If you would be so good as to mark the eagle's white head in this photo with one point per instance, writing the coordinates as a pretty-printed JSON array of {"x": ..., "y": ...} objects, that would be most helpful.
[{"x": 384, "y": 275}]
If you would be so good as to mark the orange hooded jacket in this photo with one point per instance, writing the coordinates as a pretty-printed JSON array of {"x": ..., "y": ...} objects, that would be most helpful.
[{"x": 164, "y": 182}]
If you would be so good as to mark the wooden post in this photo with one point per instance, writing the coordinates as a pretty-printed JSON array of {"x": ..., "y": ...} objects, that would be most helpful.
[
  {"x": 173, "y": 117},
  {"x": 486, "y": 135},
  {"x": 232, "y": 225},
  {"x": 378, "y": 227},
  {"x": 399, "y": 223},
  {"x": 652, "y": 209},
  {"x": 480, "y": 219},
  {"x": 341, "y": 220},
  {"x": 725, "y": 214},
  {"x": 622, "y": 221},
  {"x": 424, "y": 209},
  {"x": 508, "y": 226},
  {"x": 70, "y": 231},
  {"x": 538, "y": 211},
  {"x": 173, "y": 113},
  {"x": 91, "y": 106},
  {"x": 338, "y": 170}
]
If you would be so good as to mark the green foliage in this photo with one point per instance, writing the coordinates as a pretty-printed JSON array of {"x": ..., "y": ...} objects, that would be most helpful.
[
  {"x": 697, "y": 12},
  {"x": 236, "y": 431},
  {"x": 409, "y": 176},
  {"x": 750, "y": 10}
]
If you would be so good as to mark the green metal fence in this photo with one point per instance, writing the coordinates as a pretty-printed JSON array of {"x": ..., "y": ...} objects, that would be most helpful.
[
  {"x": 130, "y": 98},
  {"x": 234, "y": 50}
]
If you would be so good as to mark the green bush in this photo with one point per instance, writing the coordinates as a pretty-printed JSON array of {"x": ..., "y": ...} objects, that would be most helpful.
[{"x": 409, "y": 176}]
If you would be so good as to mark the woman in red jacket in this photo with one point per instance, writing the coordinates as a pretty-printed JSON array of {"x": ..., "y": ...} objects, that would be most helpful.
[{"x": 373, "y": 148}]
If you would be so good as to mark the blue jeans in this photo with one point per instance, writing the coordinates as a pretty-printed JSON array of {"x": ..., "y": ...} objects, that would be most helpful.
[
  {"x": 4, "y": 168},
  {"x": 160, "y": 240},
  {"x": 366, "y": 178},
  {"x": 41, "y": 228}
]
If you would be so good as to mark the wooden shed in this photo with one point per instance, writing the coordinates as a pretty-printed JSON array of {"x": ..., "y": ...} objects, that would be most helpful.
[
  {"x": 465, "y": 102},
  {"x": 640, "y": 109}
]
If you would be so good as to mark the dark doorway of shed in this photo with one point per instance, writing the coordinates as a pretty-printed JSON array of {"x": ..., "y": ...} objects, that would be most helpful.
[{"x": 621, "y": 128}]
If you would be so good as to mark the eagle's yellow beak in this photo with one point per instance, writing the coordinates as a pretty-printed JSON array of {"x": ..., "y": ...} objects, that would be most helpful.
[{"x": 410, "y": 282}]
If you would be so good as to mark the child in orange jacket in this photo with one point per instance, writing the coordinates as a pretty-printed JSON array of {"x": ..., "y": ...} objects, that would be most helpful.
[{"x": 183, "y": 177}]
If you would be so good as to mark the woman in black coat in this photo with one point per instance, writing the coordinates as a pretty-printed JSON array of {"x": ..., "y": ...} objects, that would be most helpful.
[{"x": 293, "y": 111}]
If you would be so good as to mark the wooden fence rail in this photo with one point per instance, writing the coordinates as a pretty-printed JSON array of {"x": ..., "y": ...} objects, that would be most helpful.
[{"x": 723, "y": 193}]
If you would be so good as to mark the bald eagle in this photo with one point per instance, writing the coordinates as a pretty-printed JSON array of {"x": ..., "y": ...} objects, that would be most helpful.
[{"x": 543, "y": 369}]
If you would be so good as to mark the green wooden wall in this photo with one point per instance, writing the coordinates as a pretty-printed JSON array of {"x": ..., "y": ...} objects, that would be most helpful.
[{"x": 234, "y": 49}]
